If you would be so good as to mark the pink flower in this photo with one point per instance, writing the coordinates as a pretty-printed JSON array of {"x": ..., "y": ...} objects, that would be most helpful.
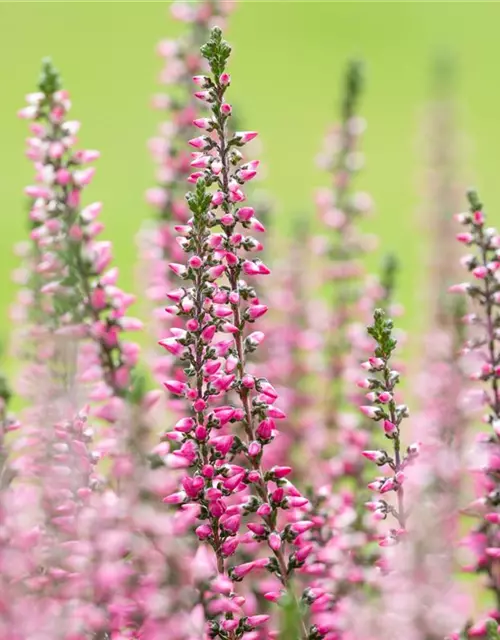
[
  {"x": 370, "y": 411},
  {"x": 245, "y": 136},
  {"x": 200, "y": 143},
  {"x": 223, "y": 437},
  {"x": 176, "y": 387},
  {"x": 202, "y": 123}
]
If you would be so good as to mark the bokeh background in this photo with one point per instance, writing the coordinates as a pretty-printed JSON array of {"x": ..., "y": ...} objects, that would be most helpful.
[{"x": 287, "y": 67}]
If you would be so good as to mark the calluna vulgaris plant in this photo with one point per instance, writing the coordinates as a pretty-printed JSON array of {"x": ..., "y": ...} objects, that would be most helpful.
[
  {"x": 80, "y": 297},
  {"x": 443, "y": 416},
  {"x": 484, "y": 293},
  {"x": 384, "y": 409},
  {"x": 229, "y": 527},
  {"x": 227, "y": 481},
  {"x": 125, "y": 584},
  {"x": 347, "y": 559},
  {"x": 339, "y": 208}
]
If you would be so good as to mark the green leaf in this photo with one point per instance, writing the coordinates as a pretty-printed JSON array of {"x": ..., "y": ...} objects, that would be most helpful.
[
  {"x": 216, "y": 51},
  {"x": 50, "y": 79},
  {"x": 474, "y": 202},
  {"x": 388, "y": 277},
  {"x": 5, "y": 392},
  {"x": 354, "y": 80},
  {"x": 199, "y": 202},
  {"x": 492, "y": 630},
  {"x": 381, "y": 332}
]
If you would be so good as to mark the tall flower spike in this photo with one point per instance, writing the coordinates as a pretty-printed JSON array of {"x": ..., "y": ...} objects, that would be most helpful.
[
  {"x": 419, "y": 596},
  {"x": 383, "y": 409},
  {"x": 344, "y": 530},
  {"x": 442, "y": 194},
  {"x": 339, "y": 208},
  {"x": 78, "y": 292},
  {"x": 220, "y": 301},
  {"x": 442, "y": 419},
  {"x": 484, "y": 292}
]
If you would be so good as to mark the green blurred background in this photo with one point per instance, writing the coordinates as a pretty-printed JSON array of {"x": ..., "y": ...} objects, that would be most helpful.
[{"x": 287, "y": 64}]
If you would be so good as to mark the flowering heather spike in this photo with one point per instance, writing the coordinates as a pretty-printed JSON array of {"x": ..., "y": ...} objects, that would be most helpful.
[
  {"x": 418, "y": 572},
  {"x": 441, "y": 139},
  {"x": 391, "y": 415},
  {"x": 76, "y": 289},
  {"x": 340, "y": 209},
  {"x": 228, "y": 493},
  {"x": 81, "y": 309},
  {"x": 484, "y": 294},
  {"x": 442, "y": 423},
  {"x": 338, "y": 504}
]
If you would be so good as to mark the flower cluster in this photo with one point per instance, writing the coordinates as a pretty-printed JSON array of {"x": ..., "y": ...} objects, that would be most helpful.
[
  {"x": 257, "y": 492},
  {"x": 223, "y": 444},
  {"x": 77, "y": 290},
  {"x": 383, "y": 408},
  {"x": 484, "y": 293},
  {"x": 344, "y": 531},
  {"x": 110, "y": 527}
]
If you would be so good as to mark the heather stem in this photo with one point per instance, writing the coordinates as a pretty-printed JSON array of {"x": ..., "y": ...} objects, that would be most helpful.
[
  {"x": 384, "y": 409},
  {"x": 484, "y": 266}
]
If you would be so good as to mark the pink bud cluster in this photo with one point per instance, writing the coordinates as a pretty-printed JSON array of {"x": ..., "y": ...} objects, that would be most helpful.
[
  {"x": 227, "y": 486},
  {"x": 381, "y": 387},
  {"x": 111, "y": 550},
  {"x": 344, "y": 531},
  {"x": 77, "y": 286},
  {"x": 484, "y": 292}
]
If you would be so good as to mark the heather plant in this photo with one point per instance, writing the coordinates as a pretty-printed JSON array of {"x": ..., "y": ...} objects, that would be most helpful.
[
  {"x": 384, "y": 409},
  {"x": 76, "y": 290},
  {"x": 226, "y": 525},
  {"x": 289, "y": 350},
  {"x": 345, "y": 531},
  {"x": 442, "y": 378},
  {"x": 109, "y": 526},
  {"x": 441, "y": 190},
  {"x": 340, "y": 208},
  {"x": 417, "y": 595},
  {"x": 481, "y": 347},
  {"x": 219, "y": 301}
]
